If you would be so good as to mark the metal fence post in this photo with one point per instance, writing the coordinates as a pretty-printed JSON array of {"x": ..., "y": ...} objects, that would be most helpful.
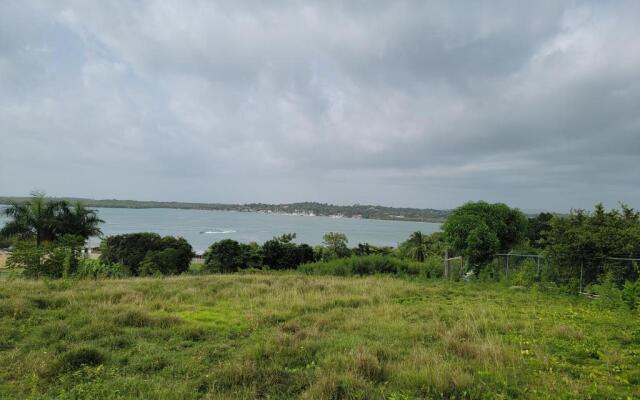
[
  {"x": 446, "y": 263},
  {"x": 507, "y": 272},
  {"x": 581, "y": 268}
]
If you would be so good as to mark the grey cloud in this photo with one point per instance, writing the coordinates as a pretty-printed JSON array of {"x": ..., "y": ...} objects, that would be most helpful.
[{"x": 408, "y": 103}]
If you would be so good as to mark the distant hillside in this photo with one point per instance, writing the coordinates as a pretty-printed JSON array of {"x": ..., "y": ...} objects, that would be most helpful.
[{"x": 305, "y": 208}]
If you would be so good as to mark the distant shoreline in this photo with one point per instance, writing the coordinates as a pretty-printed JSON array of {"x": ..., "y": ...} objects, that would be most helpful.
[{"x": 356, "y": 211}]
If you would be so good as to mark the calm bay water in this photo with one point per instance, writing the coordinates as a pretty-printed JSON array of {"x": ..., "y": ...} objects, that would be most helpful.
[{"x": 201, "y": 228}]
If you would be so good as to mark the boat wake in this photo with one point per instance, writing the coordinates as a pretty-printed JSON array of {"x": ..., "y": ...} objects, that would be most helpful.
[{"x": 218, "y": 231}]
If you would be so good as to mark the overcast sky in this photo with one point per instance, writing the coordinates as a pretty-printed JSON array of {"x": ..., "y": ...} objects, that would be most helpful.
[{"x": 425, "y": 104}]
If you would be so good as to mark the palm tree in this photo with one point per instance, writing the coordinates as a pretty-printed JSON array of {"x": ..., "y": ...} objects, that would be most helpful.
[
  {"x": 45, "y": 221},
  {"x": 36, "y": 219},
  {"x": 418, "y": 245},
  {"x": 79, "y": 220}
]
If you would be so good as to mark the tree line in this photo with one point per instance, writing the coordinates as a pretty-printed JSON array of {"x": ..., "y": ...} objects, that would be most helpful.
[
  {"x": 581, "y": 248},
  {"x": 365, "y": 211}
]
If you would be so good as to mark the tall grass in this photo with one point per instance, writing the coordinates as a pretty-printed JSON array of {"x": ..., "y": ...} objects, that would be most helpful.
[
  {"x": 291, "y": 335},
  {"x": 374, "y": 264}
]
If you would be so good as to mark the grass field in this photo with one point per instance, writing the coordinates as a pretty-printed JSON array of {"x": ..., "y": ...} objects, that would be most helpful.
[{"x": 293, "y": 336}]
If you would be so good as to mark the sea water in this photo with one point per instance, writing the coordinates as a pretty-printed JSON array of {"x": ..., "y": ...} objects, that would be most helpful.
[{"x": 201, "y": 227}]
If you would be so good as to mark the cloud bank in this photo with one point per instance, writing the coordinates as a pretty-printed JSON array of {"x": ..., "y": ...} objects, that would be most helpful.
[{"x": 412, "y": 103}]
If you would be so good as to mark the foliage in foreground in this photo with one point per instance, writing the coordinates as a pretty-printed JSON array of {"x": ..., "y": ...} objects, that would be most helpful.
[
  {"x": 291, "y": 336},
  {"x": 375, "y": 264}
]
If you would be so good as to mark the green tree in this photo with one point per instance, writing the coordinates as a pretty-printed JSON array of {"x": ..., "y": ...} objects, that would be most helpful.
[
  {"x": 418, "y": 246},
  {"x": 482, "y": 245},
  {"x": 45, "y": 220},
  {"x": 478, "y": 230},
  {"x": 336, "y": 245},
  {"x": 163, "y": 262},
  {"x": 582, "y": 242},
  {"x": 537, "y": 228},
  {"x": 224, "y": 256},
  {"x": 251, "y": 255},
  {"x": 133, "y": 248},
  {"x": 78, "y": 220},
  {"x": 37, "y": 219},
  {"x": 281, "y": 253},
  {"x": 365, "y": 249}
]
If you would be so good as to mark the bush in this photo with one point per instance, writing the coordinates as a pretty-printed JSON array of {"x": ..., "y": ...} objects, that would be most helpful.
[
  {"x": 281, "y": 253},
  {"x": 162, "y": 262},
  {"x": 370, "y": 265},
  {"x": 94, "y": 269},
  {"x": 374, "y": 264},
  {"x": 609, "y": 295},
  {"x": 337, "y": 267},
  {"x": 479, "y": 230},
  {"x": 492, "y": 272},
  {"x": 365, "y": 249},
  {"x": 163, "y": 255},
  {"x": 578, "y": 245},
  {"x": 631, "y": 294},
  {"x": 524, "y": 274},
  {"x": 51, "y": 259},
  {"x": 230, "y": 256},
  {"x": 335, "y": 246},
  {"x": 433, "y": 267},
  {"x": 224, "y": 256}
]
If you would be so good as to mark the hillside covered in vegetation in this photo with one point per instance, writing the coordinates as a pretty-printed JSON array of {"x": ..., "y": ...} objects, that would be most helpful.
[{"x": 305, "y": 208}]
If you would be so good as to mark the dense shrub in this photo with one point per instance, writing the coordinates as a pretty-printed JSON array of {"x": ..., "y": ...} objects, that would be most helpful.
[
  {"x": 631, "y": 294},
  {"x": 580, "y": 244},
  {"x": 524, "y": 273},
  {"x": 230, "y": 256},
  {"x": 163, "y": 255},
  {"x": 129, "y": 249},
  {"x": 365, "y": 249},
  {"x": 537, "y": 228},
  {"x": 609, "y": 295},
  {"x": 224, "y": 256},
  {"x": 50, "y": 259},
  {"x": 335, "y": 246},
  {"x": 374, "y": 264},
  {"x": 91, "y": 268},
  {"x": 479, "y": 230},
  {"x": 433, "y": 267},
  {"x": 281, "y": 253},
  {"x": 164, "y": 262}
]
